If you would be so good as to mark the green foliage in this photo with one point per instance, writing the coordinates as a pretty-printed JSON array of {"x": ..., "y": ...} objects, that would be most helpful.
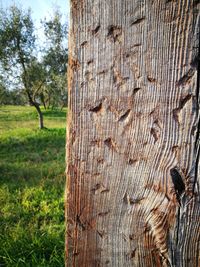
[
  {"x": 17, "y": 43},
  {"x": 32, "y": 182},
  {"x": 41, "y": 79},
  {"x": 17, "y": 39},
  {"x": 55, "y": 59},
  {"x": 12, "y": 97}
]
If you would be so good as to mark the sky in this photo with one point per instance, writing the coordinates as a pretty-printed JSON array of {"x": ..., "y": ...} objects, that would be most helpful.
[{"x": 40, "y": 8}]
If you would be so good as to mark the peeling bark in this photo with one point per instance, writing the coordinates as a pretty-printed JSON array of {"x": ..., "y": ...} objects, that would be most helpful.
[{"x": 132, "y": 194}]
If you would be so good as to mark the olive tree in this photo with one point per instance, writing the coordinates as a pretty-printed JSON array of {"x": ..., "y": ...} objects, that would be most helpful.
[{"x": 18, "y": 61}]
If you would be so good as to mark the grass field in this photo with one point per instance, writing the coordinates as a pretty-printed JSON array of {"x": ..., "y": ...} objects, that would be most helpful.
[{"x": 32, "y": 165}]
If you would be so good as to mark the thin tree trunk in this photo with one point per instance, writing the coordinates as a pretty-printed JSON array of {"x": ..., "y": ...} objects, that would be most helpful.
[
  {"x": 43, "y": 101},
  {"x": 48, "y": 102},
  {"x": 40, "y": 115},
  {"x": 62, "y": 106},
  {"x": 37, "y": 106},
  {"x": 133, "y": 134},
  {"x": 31, "y": 98}
]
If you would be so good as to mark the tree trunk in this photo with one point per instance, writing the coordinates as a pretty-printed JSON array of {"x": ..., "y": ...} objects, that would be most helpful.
[
  {"x": 43, "y": 101},
  {"x": 40, "y": 115},
  {"x": 48, "y": 101},
  {"x": 133, "y": 134},
  {"x": 62, "y": 106},
  {"x": 32, "y": 102}
]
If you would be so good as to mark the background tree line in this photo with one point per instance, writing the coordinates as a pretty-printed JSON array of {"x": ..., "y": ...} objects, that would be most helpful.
[{"x": 33, "y": 70}]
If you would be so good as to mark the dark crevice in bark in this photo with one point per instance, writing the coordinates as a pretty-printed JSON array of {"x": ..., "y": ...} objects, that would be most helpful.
[
  {"x": 186, "y": 78},
  {"x": 195, "y": 62},
  {"x": 84, "y": 43},
  {"x": 178, "y": 227},
  {"x": 176, "y": 112},
  {"x": 137, "y": 45},
  {"x": 151, "y": 80},
  {"x": 124, "y": 116},
  {"x": 131, "y": 201},
  {"x": 96, "y": 109},
  {"x": 197, "y": 145},
  {"x": 103, "y": 213},
  {"x": 102, "y": 72},
  {"x": 137, "y": 21},
  {"x": 95, "y": 31},
  {"x": 175, "y": 256},
  {"x": 75, "y": 64},
  {"x": 110, "y": 143},
  {"x": 100, "y": 188},
  {"x": 132, "y": 161},
  {"x": 135, "y": 90},
  {"x": 132, "y": 255},
  {"x": 90, "y": 61},
  {"x": 184, "y": 101},
  {"x": 154, "y": 133},
  {"x": 101, "y": 233},
  {"x": 114, "y": 32},
  {"x": 170, "y": 1},
  {"x": 179, "y": 185},
  {"x": 80, "y": 223}
]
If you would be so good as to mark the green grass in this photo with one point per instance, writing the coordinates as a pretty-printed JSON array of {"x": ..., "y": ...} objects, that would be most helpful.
[{"x": 32, "y": 180}]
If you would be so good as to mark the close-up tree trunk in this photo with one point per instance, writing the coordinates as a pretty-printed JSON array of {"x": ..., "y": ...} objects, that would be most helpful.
[{"x": 132, "y": 193}]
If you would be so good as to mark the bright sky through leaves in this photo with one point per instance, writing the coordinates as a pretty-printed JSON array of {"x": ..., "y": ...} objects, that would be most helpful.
[{"x": 40, "y": 9}]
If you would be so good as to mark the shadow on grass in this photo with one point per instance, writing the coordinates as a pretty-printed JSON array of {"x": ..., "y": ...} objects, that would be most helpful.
[
  {"x": 31, "y": 199},
  {"x": 55, "y": 113},
  {"x": 33, "y": 157},
  {"x": 6, "y": 116}
]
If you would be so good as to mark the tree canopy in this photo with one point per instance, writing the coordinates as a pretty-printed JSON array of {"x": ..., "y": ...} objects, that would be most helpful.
[{"x": 36, "y": 69}]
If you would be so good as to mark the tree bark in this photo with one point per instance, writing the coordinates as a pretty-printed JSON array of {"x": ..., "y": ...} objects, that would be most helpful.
[
  {"x": 133, "y": 134},
  {"x": 40, "y": 115},
  {"x": 43, "y": 101},
  {"x": 37, "y": 106}
]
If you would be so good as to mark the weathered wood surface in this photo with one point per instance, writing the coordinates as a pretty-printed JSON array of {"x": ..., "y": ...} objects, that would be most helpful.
[{"x": 133, "y": 134}]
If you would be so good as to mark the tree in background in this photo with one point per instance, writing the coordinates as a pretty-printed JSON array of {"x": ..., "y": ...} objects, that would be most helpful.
[
  {"x": 17, "y": 46},
  {"x": 42, "y": 79},
  {"x": 55, "y": 59}
]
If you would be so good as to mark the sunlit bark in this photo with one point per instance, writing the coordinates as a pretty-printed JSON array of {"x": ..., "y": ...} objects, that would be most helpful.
[{"x": 133, "y": 134}]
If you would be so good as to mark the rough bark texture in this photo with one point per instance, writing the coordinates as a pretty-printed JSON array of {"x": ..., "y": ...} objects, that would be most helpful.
[{"x": 133, "y": 134}]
